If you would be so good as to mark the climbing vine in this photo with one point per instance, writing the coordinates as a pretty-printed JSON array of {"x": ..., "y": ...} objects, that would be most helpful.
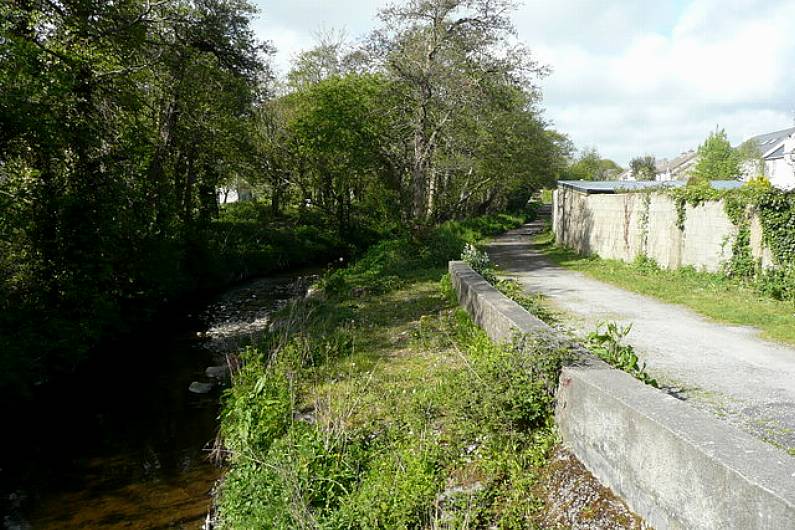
[
  {"x": 643, "y": 221},
  {"x": 693, "y": 195},
  {"x": 775, "y": 210}
]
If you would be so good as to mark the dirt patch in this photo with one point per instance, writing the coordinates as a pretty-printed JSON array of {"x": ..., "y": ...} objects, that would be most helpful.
[{"x": 575, "y": 499}]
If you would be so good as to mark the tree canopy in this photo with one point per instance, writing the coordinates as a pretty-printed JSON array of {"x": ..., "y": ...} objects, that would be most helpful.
[
  {"x": 589, "y": 165},
  {"x": 643, "y": 167},
  {"x": 120, "y": 121},
  {"x": 717, "y": 159}
]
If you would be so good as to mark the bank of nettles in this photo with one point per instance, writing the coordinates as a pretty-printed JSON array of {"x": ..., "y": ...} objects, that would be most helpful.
[{"x": 380, "y": 405}]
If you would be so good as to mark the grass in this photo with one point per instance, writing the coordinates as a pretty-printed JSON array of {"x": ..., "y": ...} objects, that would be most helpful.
[
  {"x": 712, "y": 295},
  {"x": 413, "y": 403},
  {"x": 383, "y": 406}
]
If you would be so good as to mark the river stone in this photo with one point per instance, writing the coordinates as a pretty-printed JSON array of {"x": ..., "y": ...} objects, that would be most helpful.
[
  {"x": 217, "y": 372},
  {"x": 200, "y": 388}
]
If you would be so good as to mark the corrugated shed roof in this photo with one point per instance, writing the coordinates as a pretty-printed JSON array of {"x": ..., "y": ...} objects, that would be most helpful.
[{"x": 618, "y": 186}]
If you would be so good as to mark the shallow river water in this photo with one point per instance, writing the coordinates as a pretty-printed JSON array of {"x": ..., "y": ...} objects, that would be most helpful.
[{"x": 124, "y": 443}]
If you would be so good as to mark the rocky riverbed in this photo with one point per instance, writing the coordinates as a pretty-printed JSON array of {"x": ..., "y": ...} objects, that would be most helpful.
[{"x": 125, "y": 441}]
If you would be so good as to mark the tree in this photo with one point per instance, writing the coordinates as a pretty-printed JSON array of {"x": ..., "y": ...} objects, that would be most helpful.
[
  {"x": 332, "y": 56},
  {"x": 752, "y": 163},
  {"x": 643, "y": 167},
  {"x": 589, "y": 165},
  {"x": 336, "y": 130},
  {"x": 717, "y": 160},
  {"x": 117, "y": 121},
  {"x": 446, "y": 58}
]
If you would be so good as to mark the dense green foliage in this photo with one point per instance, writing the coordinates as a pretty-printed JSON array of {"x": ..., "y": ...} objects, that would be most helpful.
[
  {"x": 121, "y": 121},
  {"x": 717, "y": 159},
  {"x": 589, "y": 165},
  {"x": 381, "y": 407},
  {"x": 643, "y": 167},
  {"x": 118, "y": 120}
]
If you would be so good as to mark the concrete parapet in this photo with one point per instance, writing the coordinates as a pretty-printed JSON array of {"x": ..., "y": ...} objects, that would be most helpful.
[
  {"x": 499, "y": 316},
  {"x": 675, "y": 466}
]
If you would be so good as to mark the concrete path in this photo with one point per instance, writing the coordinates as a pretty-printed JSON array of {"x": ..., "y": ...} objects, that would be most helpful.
[{"x": 725, "y": 369}]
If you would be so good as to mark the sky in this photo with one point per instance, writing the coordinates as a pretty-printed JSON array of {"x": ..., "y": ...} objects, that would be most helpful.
[{"x": 628, "y": 77}]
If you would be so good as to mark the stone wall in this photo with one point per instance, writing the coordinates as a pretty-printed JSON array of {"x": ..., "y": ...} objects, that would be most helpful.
[{"x": 623, "y": 226}]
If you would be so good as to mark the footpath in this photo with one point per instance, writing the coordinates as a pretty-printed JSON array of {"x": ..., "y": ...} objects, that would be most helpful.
[{"x": 726, "y": 370}]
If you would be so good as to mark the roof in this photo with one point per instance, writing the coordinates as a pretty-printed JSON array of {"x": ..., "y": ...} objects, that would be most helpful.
[
  {"x": 676, "y": 162},
  {"x": 768, "y": 141},
  {"x": 778, "y": 153},
  {"x": 618, "y": 186}
]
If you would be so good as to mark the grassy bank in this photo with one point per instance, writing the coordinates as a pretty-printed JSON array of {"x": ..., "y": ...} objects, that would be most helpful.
[
  {"x": 713, "y": 295},
  {"x": 383, "y": 406}
]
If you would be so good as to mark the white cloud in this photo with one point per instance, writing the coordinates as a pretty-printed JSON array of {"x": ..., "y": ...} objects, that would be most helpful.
[
  {"x": 292, "y": 26},
  {"x": 721, "y": 63},
  {"x": 629, "y": 77}
]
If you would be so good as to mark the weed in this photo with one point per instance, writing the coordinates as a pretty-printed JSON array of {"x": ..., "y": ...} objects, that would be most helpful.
[
  {"x": 377, "y": 406},
  {"x": 534, "y": 303},
  {"x": 479, "y": 261},
  {"x": 607, "y": 343}
]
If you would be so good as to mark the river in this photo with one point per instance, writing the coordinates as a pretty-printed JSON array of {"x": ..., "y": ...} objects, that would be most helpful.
[{"x": 123, "y": 443}]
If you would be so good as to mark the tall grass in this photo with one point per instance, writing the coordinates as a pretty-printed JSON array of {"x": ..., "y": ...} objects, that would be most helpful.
[{"x": 382, "y": 406}]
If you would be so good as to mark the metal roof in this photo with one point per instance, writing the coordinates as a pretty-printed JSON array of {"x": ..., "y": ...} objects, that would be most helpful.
[{"x": 619, "y": 186}]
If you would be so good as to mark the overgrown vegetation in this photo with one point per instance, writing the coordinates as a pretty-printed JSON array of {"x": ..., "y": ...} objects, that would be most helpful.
[
  {"x": 382, "y": 406},
  {"x": 607, "y": 342},
  {"x": 775, "y": 210},
  {"x": 122, "y": 123},
  {"x": 717, "y": 159}
]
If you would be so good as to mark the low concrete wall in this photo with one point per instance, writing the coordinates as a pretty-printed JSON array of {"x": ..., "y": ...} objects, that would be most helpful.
[
  {"x": 623, "y": 226},
  {"x": 498, "y": 315},
  {"x": 675, "y": 466}
]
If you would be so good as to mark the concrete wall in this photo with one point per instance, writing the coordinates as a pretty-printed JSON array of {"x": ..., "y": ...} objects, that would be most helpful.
[
  {"x": 675, "y": 466},
  {"x": 500, "y": 316},
  {"x": 623, "y": 226}
]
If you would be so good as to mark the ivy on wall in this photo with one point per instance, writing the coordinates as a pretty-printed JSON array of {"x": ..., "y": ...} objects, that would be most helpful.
[
  {"x": 692, "y": 195},
  {"x": 776, "y": 212}
]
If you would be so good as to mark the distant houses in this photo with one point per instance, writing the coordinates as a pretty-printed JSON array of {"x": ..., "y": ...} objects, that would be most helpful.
[
  {"x": 667, "y": 170},
  {"x": 678, "y": 168},
  {"x": 776, "y": 162},
  {"x": 777, "y": 150}
]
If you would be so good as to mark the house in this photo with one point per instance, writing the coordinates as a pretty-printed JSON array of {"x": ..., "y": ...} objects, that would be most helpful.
[
  {"x": 667, "y": 170},
  {"x": 778, "y": 156},
  {"x": 626, "y": 176},
  {"x": 678, "y": 168},
  {"x": 237, "y": 192}
]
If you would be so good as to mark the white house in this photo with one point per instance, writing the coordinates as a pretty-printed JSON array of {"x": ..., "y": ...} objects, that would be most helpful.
[
  {"x": 237, "y": 191},
  {"x": 678, "y": 168},
  {"x": 778, "y": 155},
  {"x": 666, "y": 170}
]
